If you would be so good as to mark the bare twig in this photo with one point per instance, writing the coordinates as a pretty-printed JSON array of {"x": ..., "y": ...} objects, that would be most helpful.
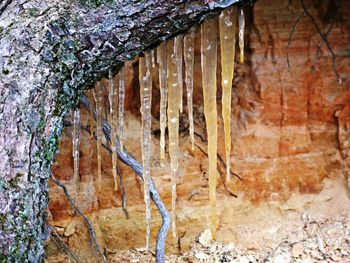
[
  {"x": 292, "y": 32},
  {"x": 320, "y": 46},
  {"x": 323, "y": 36},
  {"x": 222, "y": 177},
  {"x": 123, "y": 194},
  {"x": 219, "y": 157},
  {"x": 324, "y": 39}
]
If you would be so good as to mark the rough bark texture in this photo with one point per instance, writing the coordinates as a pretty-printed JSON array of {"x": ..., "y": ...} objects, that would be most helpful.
[{"x": 50, "y": 50}]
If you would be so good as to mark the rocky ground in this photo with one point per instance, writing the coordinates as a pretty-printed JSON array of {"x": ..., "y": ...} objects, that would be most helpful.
[
  {"x": 306, "y": 228},
  {"x": 316, "y": 241}
]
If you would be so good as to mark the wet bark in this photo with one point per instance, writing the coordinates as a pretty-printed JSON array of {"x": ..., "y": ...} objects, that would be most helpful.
[{"x": 50, "y": 50}]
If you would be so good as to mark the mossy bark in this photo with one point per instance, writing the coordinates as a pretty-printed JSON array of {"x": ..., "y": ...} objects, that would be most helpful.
[{"x": 50, "y": 51}]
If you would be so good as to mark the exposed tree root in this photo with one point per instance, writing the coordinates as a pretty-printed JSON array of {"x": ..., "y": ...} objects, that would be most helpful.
[
  {"x": 93, "y": 239},
  {"x": 54, "y": 235},
  {"x": 219, "y": 157},
  {"x": 292, "y": 32},
  {"x": 323, "y": 36},
  {"x": 129, "y": 160},
  {"x": 221, "y": 175},
  {"x": 325, "y": 40}
]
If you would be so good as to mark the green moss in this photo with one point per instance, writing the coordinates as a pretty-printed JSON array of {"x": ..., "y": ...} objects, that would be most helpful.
[
  {"x": 3, "y": 218},
  {"x": 5, "y": 71},
  {"x": 3, "y": 258},
  {"x": 96, "y": 3},
  {"x": 33, "y": 11}
]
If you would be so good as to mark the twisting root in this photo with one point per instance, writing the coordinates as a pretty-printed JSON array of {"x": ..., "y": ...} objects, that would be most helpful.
[
  {"x": 292, "y": 32},
  {"x": 325, "y": 40},
  {"x": 129, "y": 160},
  {"x": 61, "y": 242},
  {"x": 320, "y": 47},
  {"x": 323, "y": 36},
  {"x": 123, "y": 193},
  {"x": 93, "y": 238},
  {"x": 108, "y": 148}
]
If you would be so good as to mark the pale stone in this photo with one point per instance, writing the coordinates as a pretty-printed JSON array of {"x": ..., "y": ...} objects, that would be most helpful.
[
  {"x": 205, "y": 238},
  {"x": 297, "y": 250},
  {"x": 70, "y": 229},
  {"x": 201, "y": 255}
]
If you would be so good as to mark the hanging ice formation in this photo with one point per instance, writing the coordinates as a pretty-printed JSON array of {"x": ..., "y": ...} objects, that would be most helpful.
[
  {"x": 163, "y": 86},
  {"x": 145, "y": 79},
  {"x": 189, "y": 61},
  {"x": 76, "y": 146},
  {"x": 209, "y": 60},
  {"x": 169, "y": 57},
  {"x": 113, "y": 112},
  {"x": 227, "y": 23},
  {"x": 98, "y": 96},
  {"x": 178, "y": 60},
  {"x": 91, "y": 114},
  {"x": 173, "y": 124},
  {"x": 241, "y": 24},
  {"x": 121, "y": 106},
  {"x": 153, "y": 58}
]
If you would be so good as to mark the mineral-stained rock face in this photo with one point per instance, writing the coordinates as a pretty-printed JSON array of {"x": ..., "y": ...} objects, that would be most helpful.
[{"x": 290, "y": 130}]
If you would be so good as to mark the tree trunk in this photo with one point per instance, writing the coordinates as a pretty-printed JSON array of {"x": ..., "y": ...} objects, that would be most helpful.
[{"x": 50, "y": 50}]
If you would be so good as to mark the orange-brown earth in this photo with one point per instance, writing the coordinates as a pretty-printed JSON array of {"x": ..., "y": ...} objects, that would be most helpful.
[{"x": 290, "y": 131}]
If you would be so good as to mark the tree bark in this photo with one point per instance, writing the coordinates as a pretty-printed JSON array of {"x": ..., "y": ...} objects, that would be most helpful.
[{"x": 50, "y": 51}]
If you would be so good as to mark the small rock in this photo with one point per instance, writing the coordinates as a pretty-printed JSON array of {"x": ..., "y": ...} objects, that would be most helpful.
[
  {"x": 335, "y": 258},
  {"x": 213, "y": 249},
  {"x": 201, "y": 255},
  {"x": 297, "y": 250},
  {"x": 321, "y": 244},
  {"x": 307, "y": 260},
  {"x": 230, "y": 247},
  {"x": 282, "y": 258},
  {"x": 205, "y": 238},
  {"x": 344, "y": 252},
  {"x": 243, "y": 259},
  {"x": 70, "y": 229},
  {"x": 316, "y": 254},
  {"x": 60, "y": 230},
  {"x": 311, "y": 228}
]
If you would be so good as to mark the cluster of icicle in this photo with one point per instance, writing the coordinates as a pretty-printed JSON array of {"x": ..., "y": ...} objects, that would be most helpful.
[
  {"x": 115, "y": 117},
  {"x": 169, "y": 58}
]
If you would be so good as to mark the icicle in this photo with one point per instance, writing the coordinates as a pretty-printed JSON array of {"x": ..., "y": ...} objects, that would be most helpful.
[
  {"x": 241, "y": 35},
  {"x": 76, "y": 145},
  {"x": 209, "y": 60},
  {"x": 178, "y": 54},
  {"x": 227, "y": 42},
  {"x": 153, "y": 57},
  {"x": 98, "y": 96},
  {"x": 189, "y": 60},
  {"x": 173, "y": 124},
  {"x": 121, "y": 106},
  {"x": 113, "y": 103},
  {"x": 145, "y": 65},
  {"x": 162, "y": 62},
  {"x": 91, "y": 114}
]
